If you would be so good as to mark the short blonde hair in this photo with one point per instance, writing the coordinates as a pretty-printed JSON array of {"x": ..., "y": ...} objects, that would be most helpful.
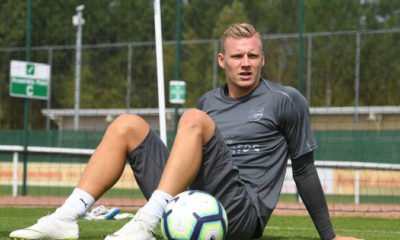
[{"x": 239, "y": 30}]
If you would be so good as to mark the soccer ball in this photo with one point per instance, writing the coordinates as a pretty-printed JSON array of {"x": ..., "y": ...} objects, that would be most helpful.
[{"x": 194, "y": 215}]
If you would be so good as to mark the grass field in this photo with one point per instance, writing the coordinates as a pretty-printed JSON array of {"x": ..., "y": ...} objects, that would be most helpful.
[
  {"x": 136, "y": 193},
  {"x": 279, "y": 227}
]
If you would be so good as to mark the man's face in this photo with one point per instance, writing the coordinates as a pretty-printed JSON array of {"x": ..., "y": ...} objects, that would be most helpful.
[{"x": 242, "y": 63}]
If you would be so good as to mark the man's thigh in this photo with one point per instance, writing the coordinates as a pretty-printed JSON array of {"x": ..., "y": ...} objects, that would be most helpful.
[{"x": 219, "y": 177}]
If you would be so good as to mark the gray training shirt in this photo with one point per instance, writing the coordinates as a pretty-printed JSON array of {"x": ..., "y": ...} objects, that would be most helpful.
[{"x": 262, "y": 130}]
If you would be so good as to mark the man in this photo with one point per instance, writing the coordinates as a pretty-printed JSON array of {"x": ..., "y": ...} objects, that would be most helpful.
[{"x": 235, "y": 146}]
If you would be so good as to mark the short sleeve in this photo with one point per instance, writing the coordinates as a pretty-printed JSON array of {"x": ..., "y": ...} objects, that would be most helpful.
[{"x": 295, "y": 123}]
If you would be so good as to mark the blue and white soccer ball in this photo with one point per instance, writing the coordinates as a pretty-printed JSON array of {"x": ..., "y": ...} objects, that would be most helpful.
[{"x": 194, "y": 215}]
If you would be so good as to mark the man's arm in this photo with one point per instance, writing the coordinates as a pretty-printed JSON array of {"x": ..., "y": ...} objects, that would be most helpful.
[{"x": 311, "y": 192}]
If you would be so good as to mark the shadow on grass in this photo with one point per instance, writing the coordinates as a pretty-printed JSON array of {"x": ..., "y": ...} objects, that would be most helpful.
[{"x": 285, "y": 238}]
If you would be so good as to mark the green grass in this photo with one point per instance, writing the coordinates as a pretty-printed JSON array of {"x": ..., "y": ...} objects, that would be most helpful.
[
  {"x": 136, "y": 193},
  {"x": 66, "y": 191},
  {"x": 279, "y": 227}
]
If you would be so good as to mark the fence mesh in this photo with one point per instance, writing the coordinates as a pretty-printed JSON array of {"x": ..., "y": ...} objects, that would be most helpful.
[{"x": 349, "y": 53}]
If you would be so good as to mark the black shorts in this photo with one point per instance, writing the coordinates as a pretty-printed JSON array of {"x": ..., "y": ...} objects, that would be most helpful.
[{"x": 217, "y": 176}]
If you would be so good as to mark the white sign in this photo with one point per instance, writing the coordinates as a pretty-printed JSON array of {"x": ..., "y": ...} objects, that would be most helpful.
[
  {"x": 29, "y": 80},
  {"x": 177, "y": 92}
]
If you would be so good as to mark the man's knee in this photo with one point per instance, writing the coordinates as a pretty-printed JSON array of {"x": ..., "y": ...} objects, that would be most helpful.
[
  {"x": 129, "y": 126},
  {"x": 198, "y": 122},
  {"x": 193, "y": 118}
]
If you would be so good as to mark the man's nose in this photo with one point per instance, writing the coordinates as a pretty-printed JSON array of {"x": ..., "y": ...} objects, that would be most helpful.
[{"x": 245, "y": 61}]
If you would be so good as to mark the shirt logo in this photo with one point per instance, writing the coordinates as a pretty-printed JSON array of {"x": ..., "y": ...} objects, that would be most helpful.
[
  {"x": 256, "y": 113},
  {"x": 244, "y": 148}
]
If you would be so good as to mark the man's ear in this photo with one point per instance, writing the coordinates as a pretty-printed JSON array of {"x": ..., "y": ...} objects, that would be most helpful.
[
  {"x": 264, "y": 59},
  {"x": 221, "y": 62}
]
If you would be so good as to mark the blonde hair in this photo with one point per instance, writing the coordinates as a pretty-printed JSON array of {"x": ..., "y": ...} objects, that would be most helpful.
[{"x": 239, "y": 30}]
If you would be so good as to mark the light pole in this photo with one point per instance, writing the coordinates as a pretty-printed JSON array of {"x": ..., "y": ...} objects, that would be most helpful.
[{"x": 78, "y": 21}]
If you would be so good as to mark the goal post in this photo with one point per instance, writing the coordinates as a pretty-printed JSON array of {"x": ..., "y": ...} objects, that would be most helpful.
[{"x": 160, "y": 70}]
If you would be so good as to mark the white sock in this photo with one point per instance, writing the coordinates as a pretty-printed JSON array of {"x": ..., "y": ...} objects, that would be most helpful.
[
  {"x": 156, "y": 204},
  {"x": 76, "y": 205}
]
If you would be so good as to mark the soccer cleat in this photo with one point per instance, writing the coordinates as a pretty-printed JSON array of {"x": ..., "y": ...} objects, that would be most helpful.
[
  {"x": 48, "y": 227},
  {"x": 141, "y": 227}
]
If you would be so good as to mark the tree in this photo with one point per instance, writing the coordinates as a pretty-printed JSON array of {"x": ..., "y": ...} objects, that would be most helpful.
[{"x": 124, "y": 22}]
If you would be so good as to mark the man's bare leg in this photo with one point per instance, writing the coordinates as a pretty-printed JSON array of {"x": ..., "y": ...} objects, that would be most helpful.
[
  {"x": 106, "y": 164},
  {"x": 195, "y": 129},
  {"x": 108, "y": 161},
  {"x": 102, "y": 172}
]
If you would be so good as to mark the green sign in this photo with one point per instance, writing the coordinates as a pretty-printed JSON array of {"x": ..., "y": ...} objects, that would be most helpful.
[
  {"x": 29, "y": 80},
  {"x": 177, "y": 92}
]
